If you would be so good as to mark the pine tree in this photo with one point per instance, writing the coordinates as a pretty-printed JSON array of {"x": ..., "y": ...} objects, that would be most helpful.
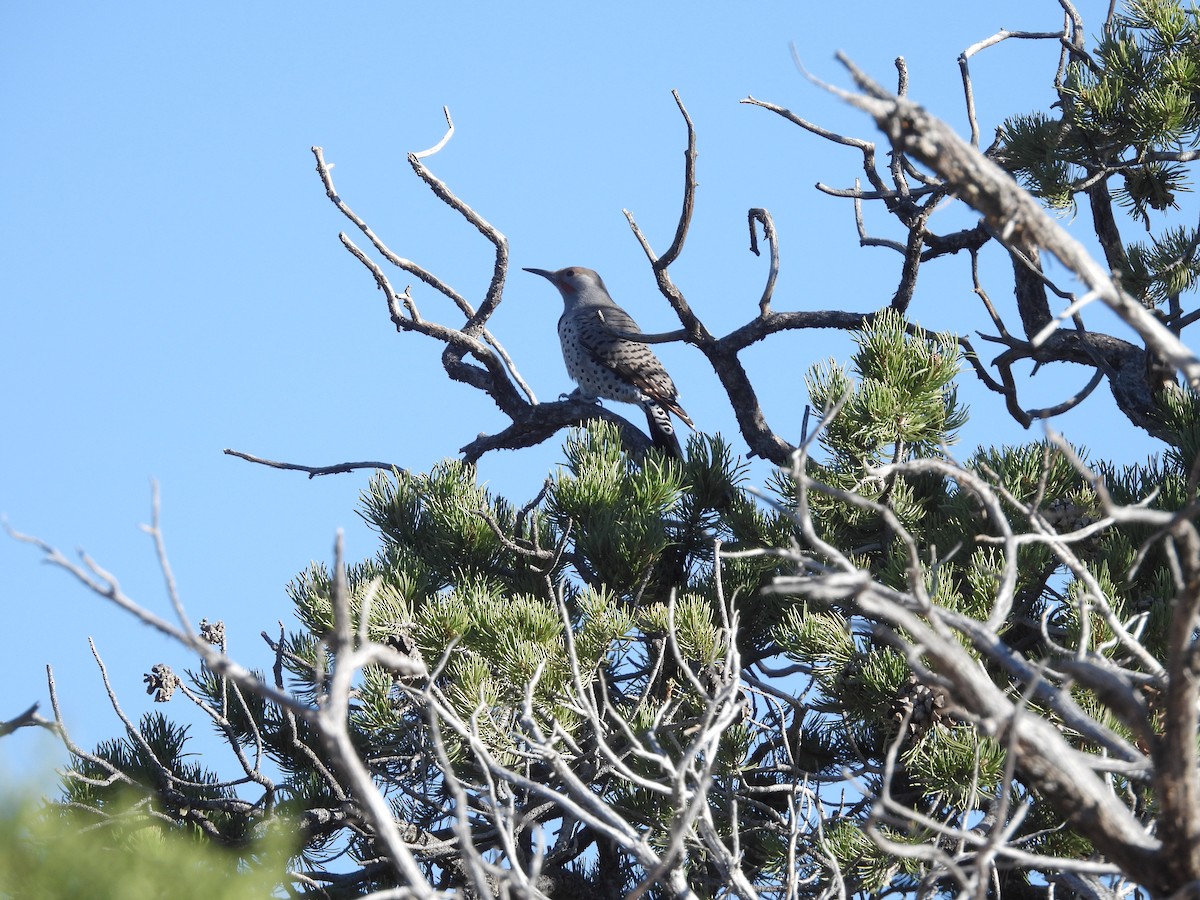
[{"x": 889, "y": 672}]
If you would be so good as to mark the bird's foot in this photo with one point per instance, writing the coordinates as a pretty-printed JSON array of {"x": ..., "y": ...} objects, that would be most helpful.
[{"x": 578, "y": 395}]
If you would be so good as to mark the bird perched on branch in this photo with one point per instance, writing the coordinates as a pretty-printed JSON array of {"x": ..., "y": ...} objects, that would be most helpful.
[{"x": 605, "y": 364}]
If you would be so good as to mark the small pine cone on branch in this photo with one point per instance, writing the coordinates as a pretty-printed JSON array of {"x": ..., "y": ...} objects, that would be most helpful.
[{"x": 920, "y": 705}]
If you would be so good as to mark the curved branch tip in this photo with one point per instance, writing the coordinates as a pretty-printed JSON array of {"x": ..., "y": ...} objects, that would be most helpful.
[{"x": 421, "y": 154}]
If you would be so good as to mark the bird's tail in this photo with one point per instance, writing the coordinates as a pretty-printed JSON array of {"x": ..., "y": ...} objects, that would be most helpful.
[{"x": 662, "y": 429}]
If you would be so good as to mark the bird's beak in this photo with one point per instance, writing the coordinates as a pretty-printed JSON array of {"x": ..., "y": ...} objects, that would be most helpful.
[{"x": 545, "y": 273}]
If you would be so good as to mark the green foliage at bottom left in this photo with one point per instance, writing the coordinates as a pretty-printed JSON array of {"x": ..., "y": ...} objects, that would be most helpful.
[{"x": 46, "y": 857}]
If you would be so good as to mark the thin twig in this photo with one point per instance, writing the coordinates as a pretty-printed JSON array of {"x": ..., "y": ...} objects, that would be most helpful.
[{"x": 314, "y": 471}]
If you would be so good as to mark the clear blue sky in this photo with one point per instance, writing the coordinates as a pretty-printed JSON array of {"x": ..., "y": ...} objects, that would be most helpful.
[{"x": 173, "y": 284}]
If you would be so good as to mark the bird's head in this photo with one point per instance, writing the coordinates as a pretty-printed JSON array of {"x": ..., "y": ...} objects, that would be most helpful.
[{"x": 576, "y": 284}]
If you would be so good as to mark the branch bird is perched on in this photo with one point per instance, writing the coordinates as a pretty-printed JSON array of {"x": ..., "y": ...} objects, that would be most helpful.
[{"x": 606, "y": 365}]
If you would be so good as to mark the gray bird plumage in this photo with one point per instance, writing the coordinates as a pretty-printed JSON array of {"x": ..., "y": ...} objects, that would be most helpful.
[{"x": 605, "y": 365}]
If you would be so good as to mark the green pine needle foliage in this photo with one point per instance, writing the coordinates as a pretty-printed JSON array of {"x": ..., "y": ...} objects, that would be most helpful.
[
  {"x": 690, "y": 621},
  {"x": 157, "y": 743},
  {"x": 1139, "y": 95},
  {"x": 617, "y": 508},
  {"x": 859, "y": 681},
  {"x": 45, "y": 857},
  {"x": 899, "y": 395},
  {"x": 961, "y": 763}
]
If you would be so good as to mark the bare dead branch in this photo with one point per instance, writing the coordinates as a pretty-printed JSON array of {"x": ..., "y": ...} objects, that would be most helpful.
[
  {"x": 689, "y": 192},
  {"x": 1009, "y": 210},
  {"x": 314, "y": 471},
  {"x": 25, "y": 720},
  {"x": 771, "y": 237},
  {"x": 445, "y": 138},
  {"x": 964, "y": 67},
  {"x": 867, "y": 148},
  {"x": 331, "y": 717}
]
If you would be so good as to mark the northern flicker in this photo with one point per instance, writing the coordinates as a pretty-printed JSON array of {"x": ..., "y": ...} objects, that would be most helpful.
[{"x": 607, "y": 366}]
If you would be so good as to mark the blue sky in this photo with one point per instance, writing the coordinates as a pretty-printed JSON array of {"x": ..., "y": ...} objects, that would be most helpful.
[{"x": 173, "y": 284}]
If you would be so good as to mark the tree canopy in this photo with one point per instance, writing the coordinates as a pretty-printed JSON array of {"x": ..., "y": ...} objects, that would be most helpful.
[{"x": 886, "y": 671}]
